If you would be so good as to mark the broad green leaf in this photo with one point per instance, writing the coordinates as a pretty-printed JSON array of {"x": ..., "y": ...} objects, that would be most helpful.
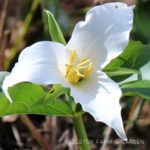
[
  {"x": 26, "y": 97},
  {"x": 3, "y": 74},
  {"x": 54, "y": 93},
  {"x": 54, "y": 29},
  {"x": 115, "y": 71},
  {"x": 139, "y": 88},
  {"x": 134, "y": 56}
]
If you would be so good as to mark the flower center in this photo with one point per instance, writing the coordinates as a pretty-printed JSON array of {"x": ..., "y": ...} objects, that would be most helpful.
[{"x": 75, "y": 73}]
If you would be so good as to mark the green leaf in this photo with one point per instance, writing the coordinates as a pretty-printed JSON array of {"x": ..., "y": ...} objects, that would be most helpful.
[
  {"x": 134, "y": 56},
  {"x": 54, "y": 93},
  {"x": 115, "y": 71},
  {"x": 3, "y": 74},
  {"x": 141, "y": 26},
  {"x": 29, "y": 98},
  {"x": 55, "y": 7},
  {"x": 139, "y": 88},
  {"x": 54, "y": 29}
]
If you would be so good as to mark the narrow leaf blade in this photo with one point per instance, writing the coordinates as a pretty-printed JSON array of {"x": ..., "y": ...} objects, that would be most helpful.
[
  {"x": 139, "y": 88},
  {"x": 115, "y": 71},
  {"x": 54, "y": 29}
]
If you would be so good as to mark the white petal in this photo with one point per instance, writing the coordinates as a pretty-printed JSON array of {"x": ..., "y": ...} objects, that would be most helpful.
[
  {"x": 104, "y": 34},
  {"x": 100, "y": 96},
  {"x": 40, "y": 63}
]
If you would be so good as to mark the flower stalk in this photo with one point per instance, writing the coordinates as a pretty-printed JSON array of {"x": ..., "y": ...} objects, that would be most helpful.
[{"x": 83, "y": 141}]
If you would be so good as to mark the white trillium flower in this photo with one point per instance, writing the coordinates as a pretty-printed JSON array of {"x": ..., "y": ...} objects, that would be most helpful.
[{"x": 94, "y": 43}]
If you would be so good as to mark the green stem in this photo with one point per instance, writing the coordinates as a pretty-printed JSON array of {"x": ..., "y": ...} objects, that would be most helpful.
[
  {"x": 83, "y": 141},
  {"x": 24, "y": 30}
]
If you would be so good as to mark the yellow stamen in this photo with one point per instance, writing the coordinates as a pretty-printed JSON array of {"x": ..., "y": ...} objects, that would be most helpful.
[
  {"x": 86, "y": 72},
  {"x": 75, "y": 73},
  {"x": 84, "y": 59},
  {"x": 67, "y": 69},
  {"x": 78, "y": 73},
  {"x": 72, "y": 56},
  {"x": 84, "y": 62},
  {"x": 76, "y": 78}
]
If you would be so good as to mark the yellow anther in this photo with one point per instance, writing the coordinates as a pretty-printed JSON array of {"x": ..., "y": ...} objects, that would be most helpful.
[
  {"x": 86, "y": 72},
  {"x": 75, "y": 73},
  {"x": 68, "y": 69},
  {"x": 84, "y": 63},
  {"x": 72, "y": 56},
  {"x": 84, "y": 59}
]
